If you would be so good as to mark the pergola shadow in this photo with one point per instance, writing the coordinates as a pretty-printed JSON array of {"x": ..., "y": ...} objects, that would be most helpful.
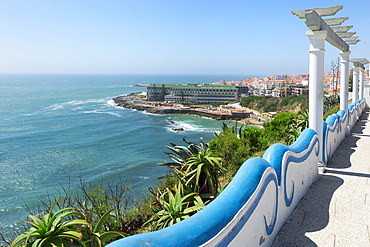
[
  {"x": 310, "y": 215},
  {"x": 342, "y": 157}
]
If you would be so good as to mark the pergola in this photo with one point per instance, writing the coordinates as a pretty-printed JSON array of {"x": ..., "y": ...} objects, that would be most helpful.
[
  {"x": 329, "y": 30},
  {"x": 358, "y": 78}
]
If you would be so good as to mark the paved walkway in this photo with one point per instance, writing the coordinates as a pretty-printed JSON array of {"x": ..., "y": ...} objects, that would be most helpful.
[{"x": 336, "y": 209}]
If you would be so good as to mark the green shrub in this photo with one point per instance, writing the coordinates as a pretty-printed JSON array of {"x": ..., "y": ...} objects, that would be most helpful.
[{"x": 333, "y": 110}]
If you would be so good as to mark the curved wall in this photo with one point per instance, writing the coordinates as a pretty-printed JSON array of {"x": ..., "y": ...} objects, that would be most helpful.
[{"x": 253, "y": 207}]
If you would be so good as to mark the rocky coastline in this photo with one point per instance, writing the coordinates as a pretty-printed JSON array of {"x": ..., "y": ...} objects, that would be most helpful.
[{"x": 137, "y": 101}]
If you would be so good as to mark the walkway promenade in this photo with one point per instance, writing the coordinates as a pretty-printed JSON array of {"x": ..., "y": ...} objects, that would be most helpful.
[{"x": 336, "y": 209}]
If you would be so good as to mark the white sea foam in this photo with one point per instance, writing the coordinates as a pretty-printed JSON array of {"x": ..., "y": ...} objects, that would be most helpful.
[
  {"x": 102, "y": 112},
  {"x": 58, "y": 106},
  {"x": 182, "y": 125},
  {"x": 15, "y": 128},
  {"x": 29, "y": 114},
  {"x": 114, "y": 114},
  {"x": 206, "y": 117},
  {"x": 21, "y": 115},
  {"x": 152, "y": 114},
  {"x": 111, "y": 102},
  {"x": 118, "y": 86},
  {"x": 185, "y": 126},
  {"x": 77, "y": 108}
]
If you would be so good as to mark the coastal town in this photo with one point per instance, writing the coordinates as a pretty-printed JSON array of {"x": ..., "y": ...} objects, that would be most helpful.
[{"x": 220, "y": 100}]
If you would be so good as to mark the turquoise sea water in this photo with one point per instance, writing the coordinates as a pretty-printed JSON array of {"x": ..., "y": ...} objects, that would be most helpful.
[{"x": 55, "y": 129}]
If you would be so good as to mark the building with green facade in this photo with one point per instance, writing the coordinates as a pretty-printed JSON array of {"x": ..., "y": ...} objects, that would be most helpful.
[{"x": 192, "y": 93}]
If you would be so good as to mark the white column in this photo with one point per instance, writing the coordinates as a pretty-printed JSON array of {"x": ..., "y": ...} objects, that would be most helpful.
[
  {"x": 361, "y": 86},
  {"x": 356, "y": 69},
  {"x": 316, "y": 83},
  {"x": 344, "y": 74}
]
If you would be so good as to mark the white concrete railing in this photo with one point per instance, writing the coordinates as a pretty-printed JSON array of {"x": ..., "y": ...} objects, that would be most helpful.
[
  {"x": 338, "y": 125},
  {"x": 264, "y": 192}
]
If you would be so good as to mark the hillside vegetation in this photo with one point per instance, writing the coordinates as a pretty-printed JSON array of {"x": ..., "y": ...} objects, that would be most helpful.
[{"x": 291, "y": 103}]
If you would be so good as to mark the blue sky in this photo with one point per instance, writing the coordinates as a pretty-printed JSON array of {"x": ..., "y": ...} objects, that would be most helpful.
[{"x": 166, "y": 36}]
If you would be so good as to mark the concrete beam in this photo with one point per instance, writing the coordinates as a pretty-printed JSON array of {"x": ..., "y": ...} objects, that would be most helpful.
[
  {"x": 353, "y": 42},
  {"x": 336, "y": 21},
  {"x": 346, "y": 35},
  {"x": 316, "y": 23},
  {"x": 352, "y": 39},
  {"x": 325, "y": 11},
  {"x": 359, "y": 61},
  {"x": 341, "y": 29}
]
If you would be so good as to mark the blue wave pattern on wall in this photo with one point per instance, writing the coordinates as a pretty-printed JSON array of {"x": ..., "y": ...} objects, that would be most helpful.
[
  {"x": 225, "y": 221},
  {"x": 337, "y": 126},
  {"x": 281, "y": 156},
  {"x": 269, "y": 227}
]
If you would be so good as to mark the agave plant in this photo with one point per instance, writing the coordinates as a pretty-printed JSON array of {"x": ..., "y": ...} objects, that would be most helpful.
[
  {"x": 302, "y": 120},
  {"x": 179, "y": 154},
  {"x": 330, "y": 102},
  {"x": 196, "y": 167},
  {"x": 174, "y": 208},
  {"x": 202, "y": 170},
  {"x": 94, "y": 236},
  {"x": 293, "y": 134},
  {"x": 296, "y": 127},
  {"x": 52, "y": 229}
]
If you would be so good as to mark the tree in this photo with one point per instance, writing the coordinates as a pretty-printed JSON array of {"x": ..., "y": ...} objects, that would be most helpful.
[
  {"x": 235, "y": 145},
  {"x": 350, "y": 81},
  {"x": 155, "y": 92},
  {"x": 182, "y": 96},
  {"x": 278, "y": 127},
  {"x": 163, "y": 93},
  {"x": 255, "y": 138},
  {"x": 334, "y": 75}
]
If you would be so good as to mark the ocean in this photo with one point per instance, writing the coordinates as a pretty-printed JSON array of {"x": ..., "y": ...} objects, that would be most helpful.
[{"x": 56, "y": 129}]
